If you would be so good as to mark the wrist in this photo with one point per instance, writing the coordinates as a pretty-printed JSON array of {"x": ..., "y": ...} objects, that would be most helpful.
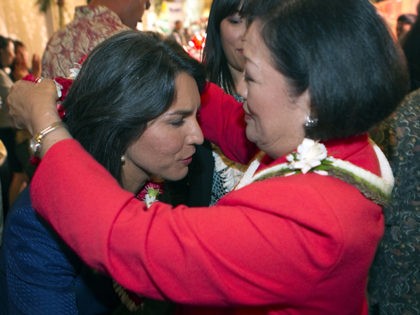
[{"x": 39, "y": 138}]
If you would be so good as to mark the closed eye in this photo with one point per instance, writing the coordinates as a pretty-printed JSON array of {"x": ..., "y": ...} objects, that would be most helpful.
[
  {"x": 248, "y": 78},
  {"x": 177, "y": 123},
  {"x": 235, "y": 19}
]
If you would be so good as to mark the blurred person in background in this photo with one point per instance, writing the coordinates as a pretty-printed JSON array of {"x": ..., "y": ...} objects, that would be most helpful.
[
  {"x": 404, "y": 24},
  {"x": 11, "y": 171},
  {"x": 91, "y": 25},
  {"x": 178, "y": 33},
  {"x": 21, "y": 66},
  {"x": 411, "y": 47}
]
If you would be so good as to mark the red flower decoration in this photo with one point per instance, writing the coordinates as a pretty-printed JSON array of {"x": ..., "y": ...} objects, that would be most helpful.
[
  {"x": 66, "y": 84},
  {"x": 82, "y": 60},
  {"x": 30, "y": 77},
  {"x": 150, "y": 188}
]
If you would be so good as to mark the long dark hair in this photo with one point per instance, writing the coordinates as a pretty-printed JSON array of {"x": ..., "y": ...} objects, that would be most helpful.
[
  {"x": 214, "y": 58},
  {"x": 126, "y": 81}
]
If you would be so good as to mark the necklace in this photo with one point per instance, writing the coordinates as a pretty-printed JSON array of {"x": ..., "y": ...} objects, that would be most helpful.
[
  {"x": 132, "y": 301},
  {"x": 311, "y": 156}
]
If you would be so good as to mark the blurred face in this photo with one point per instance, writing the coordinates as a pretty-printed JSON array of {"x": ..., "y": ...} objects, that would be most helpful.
[
  {"x": 134, "y": 11},
  {"x": 21, "y": 56},
  {"x": 7, "y": 54},
  {"x": 402, "y": 28},
  {"x": 232, "y": 30},
  {"x": 273, "y": 116},
  {"x": 166, "y": 147}
]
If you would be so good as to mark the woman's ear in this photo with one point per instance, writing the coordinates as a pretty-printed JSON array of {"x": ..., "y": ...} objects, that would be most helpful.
[{"x": 303, "y": 103}]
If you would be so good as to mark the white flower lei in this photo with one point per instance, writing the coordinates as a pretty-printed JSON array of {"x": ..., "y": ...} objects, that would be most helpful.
[{"x": 312, "y": 156}]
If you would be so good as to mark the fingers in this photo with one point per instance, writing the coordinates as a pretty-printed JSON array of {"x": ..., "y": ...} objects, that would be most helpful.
[
  {"x": 33, "y": 105},
  {"x": 18, "y": 103},
  {"x": 19, "y": 125}
]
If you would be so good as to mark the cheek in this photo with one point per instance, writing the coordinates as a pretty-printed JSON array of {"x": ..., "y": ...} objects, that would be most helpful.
[
  {"x": 225, "y": 35},
  {"x": 266, "y": 114},
  {"x": 165, "y": 160},
  {"x": 166, "y": 146},
  {"x": 151, "y": 158}
]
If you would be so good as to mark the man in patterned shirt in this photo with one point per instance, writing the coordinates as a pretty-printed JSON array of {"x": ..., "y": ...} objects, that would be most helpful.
[{"x": 91, "y": 25}]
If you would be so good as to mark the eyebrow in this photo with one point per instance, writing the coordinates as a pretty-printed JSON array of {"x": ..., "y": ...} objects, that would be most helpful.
[{"x": 181, "y": 112}]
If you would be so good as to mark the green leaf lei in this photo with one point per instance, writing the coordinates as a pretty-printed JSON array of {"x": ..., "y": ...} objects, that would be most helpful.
[{"x": 311, "y": 156}]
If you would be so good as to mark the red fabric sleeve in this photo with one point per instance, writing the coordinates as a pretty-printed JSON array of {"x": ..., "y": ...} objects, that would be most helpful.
[
  {"x": 261, "y": 245},
  {"x": 59, "y": 182},
  {"x": 190, "y": 255},
  {"x": 221, "y": 118}
]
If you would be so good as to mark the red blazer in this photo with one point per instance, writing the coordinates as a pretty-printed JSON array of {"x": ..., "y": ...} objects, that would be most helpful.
[{"x": 300, "y": 244}]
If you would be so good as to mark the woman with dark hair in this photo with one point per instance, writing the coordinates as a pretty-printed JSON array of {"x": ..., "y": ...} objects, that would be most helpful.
[
  {"x": 223, "y": 52},
  {"x": 299, "y": 232},
  {"x": 133, "y": 107},
  {"x": 224, "y": 61}
]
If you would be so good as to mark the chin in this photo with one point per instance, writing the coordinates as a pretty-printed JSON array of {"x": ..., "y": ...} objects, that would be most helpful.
[
  {"x": 250, "y": 134},
  {"x": 178, "y": 175}
]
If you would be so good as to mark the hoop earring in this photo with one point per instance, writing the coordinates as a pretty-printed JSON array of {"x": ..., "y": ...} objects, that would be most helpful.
[
  {"x": 122, "y": 159},
  {"x": 310, "y": 122}
]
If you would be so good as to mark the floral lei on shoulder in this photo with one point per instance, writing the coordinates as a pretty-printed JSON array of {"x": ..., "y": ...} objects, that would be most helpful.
[
  {"x": 133, "y": 302},
  {"x": 312, "y": 156}
]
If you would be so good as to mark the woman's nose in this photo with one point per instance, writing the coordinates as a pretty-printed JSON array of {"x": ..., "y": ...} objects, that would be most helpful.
[{"x": 196, "y": 136}]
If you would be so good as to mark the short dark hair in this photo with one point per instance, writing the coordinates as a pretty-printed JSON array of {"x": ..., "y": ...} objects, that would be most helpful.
[
  {"x": 342, "y": 52},
  {"x": 127, "y": 80},
  {"x": 214, "y": 58}
]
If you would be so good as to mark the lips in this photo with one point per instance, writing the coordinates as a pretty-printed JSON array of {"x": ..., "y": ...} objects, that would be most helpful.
[
  {"x": 187, "y": 161},
  {"x": 247, "y": 115},
  {"x": 247, "y": 118}
]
